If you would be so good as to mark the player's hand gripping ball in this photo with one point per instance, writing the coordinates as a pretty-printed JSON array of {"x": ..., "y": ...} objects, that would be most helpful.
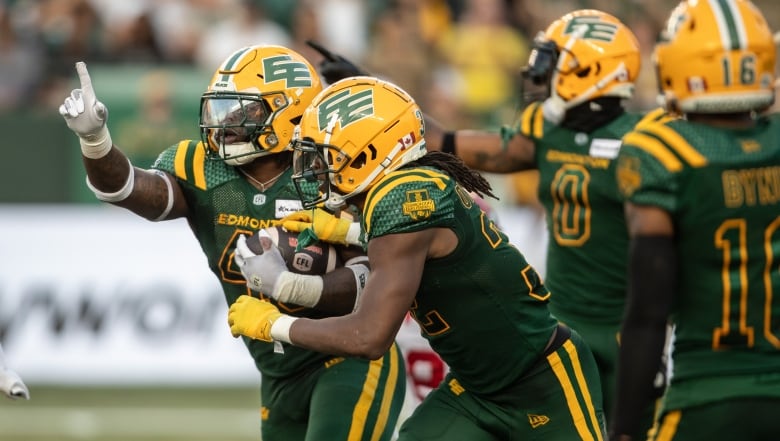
[
  {"x": 317, "y": 258},
  {"x": 265, "y": 255}
]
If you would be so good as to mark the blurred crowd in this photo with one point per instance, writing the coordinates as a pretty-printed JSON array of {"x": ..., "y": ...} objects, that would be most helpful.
[{"x": 460, "y": 58}]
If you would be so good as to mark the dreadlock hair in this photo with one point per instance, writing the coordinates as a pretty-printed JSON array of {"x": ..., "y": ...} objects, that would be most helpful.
[{"x": 470, "y": 179}]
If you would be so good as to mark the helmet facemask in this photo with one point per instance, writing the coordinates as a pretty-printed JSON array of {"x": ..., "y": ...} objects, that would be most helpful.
[
  {"x": 312, "y": 173},
  {"x": 537, "y": 75},
  {"x": 237, "y": 127}
]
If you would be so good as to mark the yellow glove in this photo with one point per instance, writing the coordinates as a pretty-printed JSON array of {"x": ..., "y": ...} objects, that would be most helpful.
[
  {"x": 324, "y": 225},
  {"x": 253, "y": 318}
]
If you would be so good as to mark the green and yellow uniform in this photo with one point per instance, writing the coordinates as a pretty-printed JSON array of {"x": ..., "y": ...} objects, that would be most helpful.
[
  {"x": 305, "y": 395},
  {"x": 483, "y": 309},
  {"x": 588, "y": 239},
  {"x": 722, "y": 189}
]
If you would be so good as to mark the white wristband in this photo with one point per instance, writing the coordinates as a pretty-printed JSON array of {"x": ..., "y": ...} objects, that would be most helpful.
[
  {"x": 300, "y": 289},
  {"x": 280, "y": 330},
  {"x": 119, "y": 195},
  {"x": 361, "y": 277},
  {"x": 98, "y": 148},
  {"x": 353, "y": 234},
  {"x": 169, "y": 206}
]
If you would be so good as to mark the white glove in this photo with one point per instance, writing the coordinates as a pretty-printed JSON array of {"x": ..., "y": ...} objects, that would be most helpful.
[
  {"x": 86, "y": 117},
  {"x": 12, "y": 385},
  {"x": 261, "y": 271}
]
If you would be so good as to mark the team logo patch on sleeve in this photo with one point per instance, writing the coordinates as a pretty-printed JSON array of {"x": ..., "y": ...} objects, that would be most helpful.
[
  {"x": 418, "y": 205},
  {"x": 628, "y": 175}
]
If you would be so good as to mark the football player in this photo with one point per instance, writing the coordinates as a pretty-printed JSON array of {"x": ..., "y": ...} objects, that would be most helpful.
[
  {"x": 232, "y": 182},
  {"x": 514, "y": 371},
  {"x": 702, "y": 201}
]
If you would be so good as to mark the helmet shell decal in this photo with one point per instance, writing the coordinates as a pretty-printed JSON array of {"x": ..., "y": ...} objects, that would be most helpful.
[
  {"x": 591, "y": 28},
  {"x": 345, "y": 108},
  {"x": 285, "y": 68}
]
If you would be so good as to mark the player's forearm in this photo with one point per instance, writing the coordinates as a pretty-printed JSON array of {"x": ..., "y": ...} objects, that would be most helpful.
[
  {"x": 641, "y": 349},
  {"x": 145, "y": 193},
  {"x": 344, "y": 336},
  {"x": 652, "y": 283},
  {"x": 486, "y": 151},
  {"x": 343, "y": 287},
  {"x": 108, "y": 173}
]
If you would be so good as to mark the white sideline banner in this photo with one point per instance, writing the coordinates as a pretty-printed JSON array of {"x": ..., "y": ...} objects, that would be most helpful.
[{"x": 94, "y": 295}]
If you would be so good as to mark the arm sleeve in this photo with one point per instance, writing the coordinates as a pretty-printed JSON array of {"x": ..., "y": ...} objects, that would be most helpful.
[{"x": 652, "y": 282}]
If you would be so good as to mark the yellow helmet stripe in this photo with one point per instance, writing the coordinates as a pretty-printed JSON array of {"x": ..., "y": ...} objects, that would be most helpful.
[{"x": 230, "y": 63}]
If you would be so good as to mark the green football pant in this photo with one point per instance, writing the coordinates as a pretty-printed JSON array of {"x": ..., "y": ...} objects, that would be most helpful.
[
  {"x": 603, "y": 341},
  {"x": 559, "y": 399},
  {"x": 346, "y": 399}
]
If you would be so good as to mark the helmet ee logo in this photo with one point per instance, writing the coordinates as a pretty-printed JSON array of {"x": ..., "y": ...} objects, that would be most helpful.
[
  {"x": 591, "y": 28},
  {"x": 345, "y": 108},
  {"x": 283, "y": 67}
]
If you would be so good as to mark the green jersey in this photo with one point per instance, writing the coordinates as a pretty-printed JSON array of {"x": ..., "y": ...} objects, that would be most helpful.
[
  {"x": 224, "y": 205},
  {"x": 482, "y": 308},
  {"x": 722, "y": 188},
  {"x": 588, "y": 240}
]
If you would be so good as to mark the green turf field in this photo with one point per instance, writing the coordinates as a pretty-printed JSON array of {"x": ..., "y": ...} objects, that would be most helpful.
[{"x": 132, "y": 414}]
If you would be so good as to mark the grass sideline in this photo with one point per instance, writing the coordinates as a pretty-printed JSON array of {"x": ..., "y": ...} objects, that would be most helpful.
[{"x": 132, "y": 414}]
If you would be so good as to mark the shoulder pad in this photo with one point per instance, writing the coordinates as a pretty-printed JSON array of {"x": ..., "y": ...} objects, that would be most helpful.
[
  {"x": 660, "y": 140},
  {"x": 188, "y": 162},
  {"x": 532, "y": 121}
]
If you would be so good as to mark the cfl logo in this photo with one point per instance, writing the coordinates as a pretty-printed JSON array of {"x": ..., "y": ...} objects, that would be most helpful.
[{"x": 302, "y": 262}]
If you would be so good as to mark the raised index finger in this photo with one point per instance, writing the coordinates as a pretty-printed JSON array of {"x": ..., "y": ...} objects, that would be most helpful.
[{"x": 86, "y": 81}]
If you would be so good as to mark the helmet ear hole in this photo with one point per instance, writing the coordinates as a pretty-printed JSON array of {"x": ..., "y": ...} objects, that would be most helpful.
[
  {"x": 359, "y": 161},
  {"x": 585, "y": 72}
]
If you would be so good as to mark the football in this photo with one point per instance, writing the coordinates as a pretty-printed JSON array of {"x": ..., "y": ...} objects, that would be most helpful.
[{"x": 318, "y": 258}]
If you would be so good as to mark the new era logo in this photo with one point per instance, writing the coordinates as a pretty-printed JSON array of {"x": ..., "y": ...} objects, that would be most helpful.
[{"x": 538, "y": 420}]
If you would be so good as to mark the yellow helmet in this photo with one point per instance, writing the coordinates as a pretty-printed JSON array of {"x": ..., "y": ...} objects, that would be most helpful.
[
  {"x": 716, "y": 57},
  {"x": 585, "y": 54},
  {"x": 356, "y": 131},
  {"x": 254, "y": 103}
]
